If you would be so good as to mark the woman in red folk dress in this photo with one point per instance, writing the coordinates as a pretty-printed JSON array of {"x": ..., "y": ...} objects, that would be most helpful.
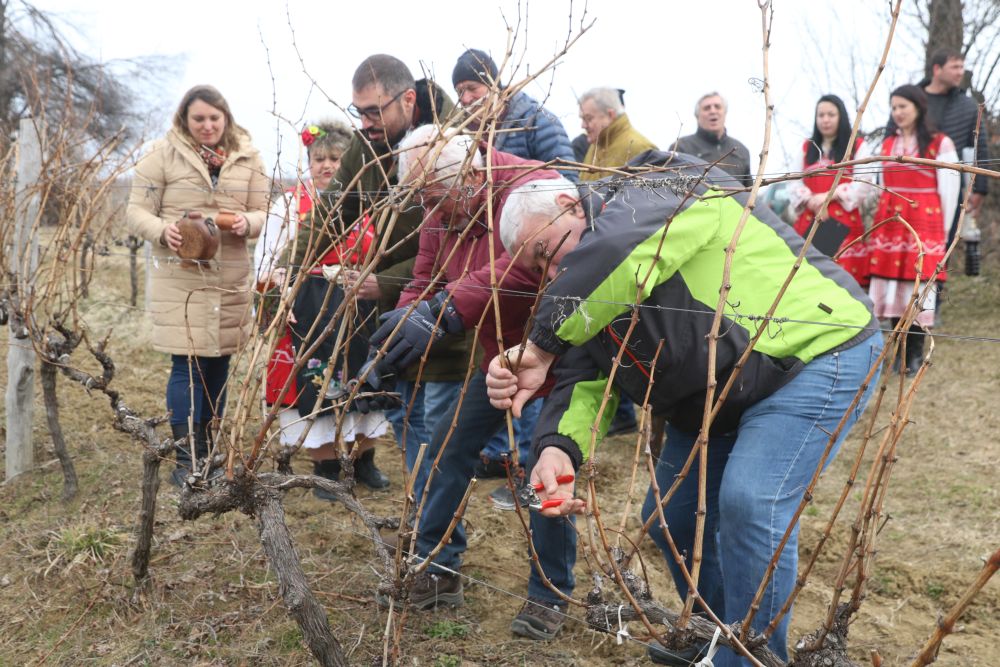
[
  {"x": 325, "y": 144},
  {"x": 924, "y": 198},
  {"x": 831, "y": 134}
]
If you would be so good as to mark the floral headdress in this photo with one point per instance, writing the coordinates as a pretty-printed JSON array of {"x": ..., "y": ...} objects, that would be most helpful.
[{"x": 311, "y": 133}]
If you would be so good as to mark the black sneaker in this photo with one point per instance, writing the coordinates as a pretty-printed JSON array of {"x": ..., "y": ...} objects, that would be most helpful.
[
  {"x": 490, "y": 469},
  {"x": 685, "y": 657},
  {"x": 433, "y": 588},
  {"x": 539, "y": 619}
]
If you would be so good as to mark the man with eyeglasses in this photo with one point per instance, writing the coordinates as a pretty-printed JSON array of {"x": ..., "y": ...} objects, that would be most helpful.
[
  {"x": 458, "y": 264},
  {"x": 389, "y": 103},
  {"x": 629, "y": 310}
]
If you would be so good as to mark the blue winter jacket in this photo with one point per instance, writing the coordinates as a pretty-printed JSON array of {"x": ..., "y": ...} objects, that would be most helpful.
[{"x": 541, "y": 137}]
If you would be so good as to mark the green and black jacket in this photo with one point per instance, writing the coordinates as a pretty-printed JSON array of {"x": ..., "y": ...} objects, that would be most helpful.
[{"x": 587, "y": 310}]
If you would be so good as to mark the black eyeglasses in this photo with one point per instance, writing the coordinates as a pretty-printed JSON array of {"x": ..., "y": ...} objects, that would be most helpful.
[{"x": 374, "y": 112}]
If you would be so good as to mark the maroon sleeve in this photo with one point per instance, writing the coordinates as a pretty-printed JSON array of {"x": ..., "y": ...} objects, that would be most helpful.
[
  {"x": 423, "y": 267},
  {"x": 471, "y": 293}
]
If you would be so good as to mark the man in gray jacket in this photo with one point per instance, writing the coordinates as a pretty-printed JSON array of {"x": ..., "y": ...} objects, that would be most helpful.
[
  {"x": 953, "y": 112},
  {"x": 712, "y": 144}
]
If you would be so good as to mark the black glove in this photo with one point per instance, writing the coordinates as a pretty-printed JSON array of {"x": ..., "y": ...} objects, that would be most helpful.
[
  {"x": 419, "y": 329},
  {"x": 375, "y": 392}
]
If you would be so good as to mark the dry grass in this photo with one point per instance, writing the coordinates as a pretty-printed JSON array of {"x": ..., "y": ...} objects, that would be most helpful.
[{"x": 65, "y": 585}]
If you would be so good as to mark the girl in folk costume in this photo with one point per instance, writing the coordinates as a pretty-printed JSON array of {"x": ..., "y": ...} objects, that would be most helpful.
[
  {"x": 325, "y": 145},
  {"x": 301, "y": 416},
  {"x": 829, "y": 143},
  {"x": 922, "y": 196},
  {"x": 205, "y": 167}
]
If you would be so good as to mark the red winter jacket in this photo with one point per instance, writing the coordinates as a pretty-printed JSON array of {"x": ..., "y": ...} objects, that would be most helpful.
[{"x": 471, "y": 293}]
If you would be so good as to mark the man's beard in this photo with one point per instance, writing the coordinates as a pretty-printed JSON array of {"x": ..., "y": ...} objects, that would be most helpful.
[{"x": 385, "y": 145}]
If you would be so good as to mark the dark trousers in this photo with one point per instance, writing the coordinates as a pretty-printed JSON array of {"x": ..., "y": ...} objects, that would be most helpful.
[
  {"x": 197, "y": 388},
  {"x": 478, "y": 421}
]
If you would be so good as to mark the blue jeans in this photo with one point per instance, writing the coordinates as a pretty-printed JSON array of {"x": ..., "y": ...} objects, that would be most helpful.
[
  {"x": 756, "y": 479},
  {"x": 554, "y": 539},
  {"x": 206, "y": 393},
  {"x": 433, "y": 399},
  {"x": 625, "y": 412},
  {"x": 499, "y": 444}
]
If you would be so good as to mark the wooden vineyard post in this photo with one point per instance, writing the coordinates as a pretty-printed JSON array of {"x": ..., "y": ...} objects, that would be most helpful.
[{"x": 23, "y": 259}]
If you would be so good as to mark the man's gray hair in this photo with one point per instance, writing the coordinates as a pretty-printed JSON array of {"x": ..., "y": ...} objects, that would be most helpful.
[
  {"x": 457, "y": 152},
  {"x": 714, "y": 93},
  {"x": 536, "y": 200},
  {"x": 605, "y": 99}
]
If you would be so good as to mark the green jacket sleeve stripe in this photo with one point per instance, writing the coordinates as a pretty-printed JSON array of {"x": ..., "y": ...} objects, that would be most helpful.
[{"x": 577, "y": 421}]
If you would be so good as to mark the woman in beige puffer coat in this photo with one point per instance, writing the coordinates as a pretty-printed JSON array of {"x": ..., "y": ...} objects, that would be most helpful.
[{"x": 201, "y": 310}]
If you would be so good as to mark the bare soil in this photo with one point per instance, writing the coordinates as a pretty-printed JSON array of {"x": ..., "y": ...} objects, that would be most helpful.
[{"x": 65, "y": 587}]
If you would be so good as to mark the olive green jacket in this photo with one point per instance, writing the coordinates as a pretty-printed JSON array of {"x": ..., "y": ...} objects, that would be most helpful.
[
  {"x": 366, "y": 175},
  {"x": 618, "y": 143}
]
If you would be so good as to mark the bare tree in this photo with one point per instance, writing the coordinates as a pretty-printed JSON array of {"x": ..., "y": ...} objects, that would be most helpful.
[
  {"x": 944, "y": 27},
  {"x": 41, "y": 73},
  {"x": 972, "y": 27}
]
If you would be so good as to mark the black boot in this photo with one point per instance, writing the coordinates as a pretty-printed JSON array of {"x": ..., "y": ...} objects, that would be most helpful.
[
  {"x": 182, "y": 454},
  {"x": 366, "y": 472},
  {"x": 202, "y": 447},
  {"x": 897, "y": 361},
  {"x": 329, "y": 469},
  {"x": 914, "y": 350}
]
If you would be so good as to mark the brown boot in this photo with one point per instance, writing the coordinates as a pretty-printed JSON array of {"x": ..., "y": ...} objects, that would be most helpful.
[
  {"x": 431, "y": 589},
  {"x": 539, "y": 619}
]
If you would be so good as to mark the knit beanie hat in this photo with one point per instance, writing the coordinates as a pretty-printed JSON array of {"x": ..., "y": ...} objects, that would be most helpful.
[{"x": 474, "y": 65}]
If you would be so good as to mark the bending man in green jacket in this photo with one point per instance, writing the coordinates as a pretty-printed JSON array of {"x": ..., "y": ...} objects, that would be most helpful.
[{"x": 659, "y": 241}]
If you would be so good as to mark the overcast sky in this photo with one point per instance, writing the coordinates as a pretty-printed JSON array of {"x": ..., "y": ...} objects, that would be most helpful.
[{"x": 664, "y": 54}]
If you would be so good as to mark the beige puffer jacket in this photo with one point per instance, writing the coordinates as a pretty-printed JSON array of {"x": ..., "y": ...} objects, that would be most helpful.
[{"x": 205, "y": 309}]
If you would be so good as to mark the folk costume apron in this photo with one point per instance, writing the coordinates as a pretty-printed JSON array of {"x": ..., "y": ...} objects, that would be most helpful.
[
  {"x": 313, "y": 309},
  {"x": 853, "y": 258}
]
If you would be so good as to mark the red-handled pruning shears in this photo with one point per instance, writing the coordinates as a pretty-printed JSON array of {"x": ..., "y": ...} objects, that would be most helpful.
[{"x": 536, "y": 503}]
